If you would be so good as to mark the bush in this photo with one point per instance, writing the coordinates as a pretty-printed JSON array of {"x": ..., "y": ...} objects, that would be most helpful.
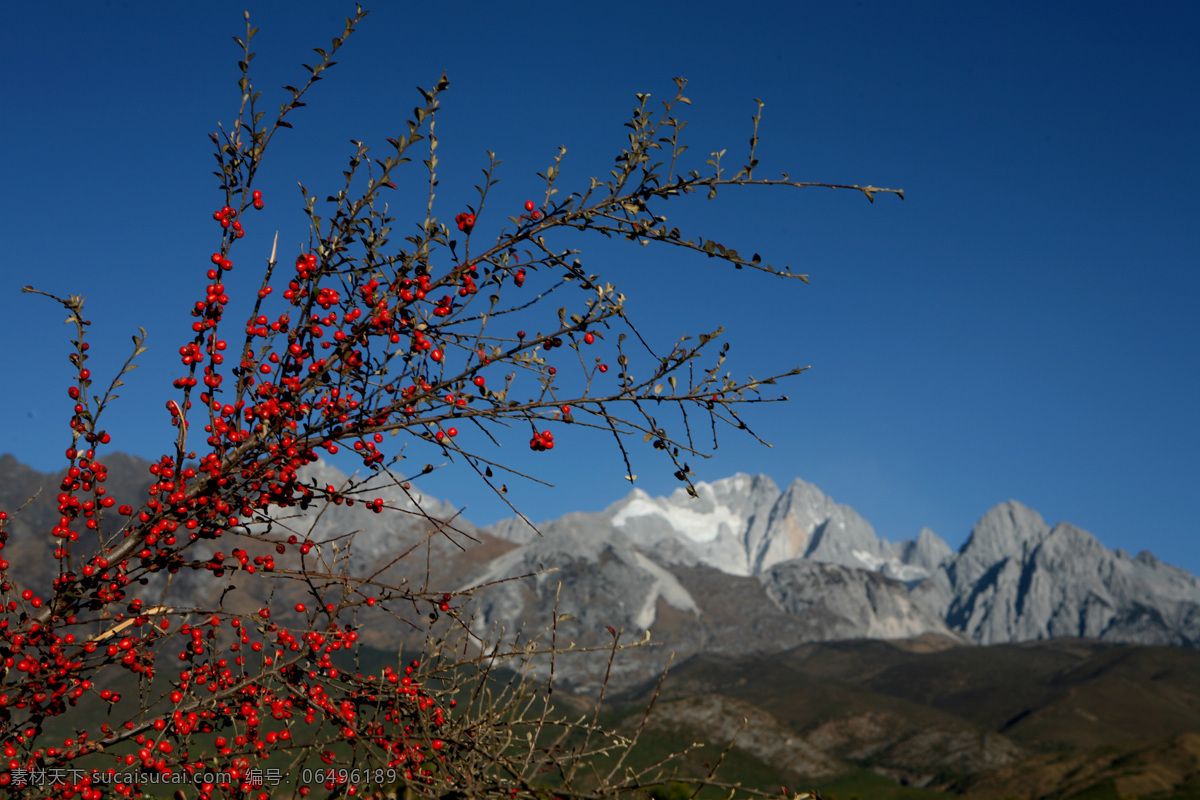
[{"x": 200, "y": 641}]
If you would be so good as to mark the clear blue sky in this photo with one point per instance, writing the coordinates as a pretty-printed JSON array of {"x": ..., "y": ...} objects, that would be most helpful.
[{"x": 1024, "y": 325}]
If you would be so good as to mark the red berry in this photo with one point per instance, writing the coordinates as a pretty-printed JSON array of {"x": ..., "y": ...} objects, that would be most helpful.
[
  {"x": 520, "y": 334},
  {"x": 256, "y": 194},
  {"x": 603, "y": 367},
  {"x": 588, "y": 338},
  {"x": 536, "y": 215},
  {"x": 300, "y": 608},
  {"x": 452, "y": 432},
  {"x": 478, "y": 380},
  {"x": 529, "y": 205},
  {"x": 436, "y": 355}
]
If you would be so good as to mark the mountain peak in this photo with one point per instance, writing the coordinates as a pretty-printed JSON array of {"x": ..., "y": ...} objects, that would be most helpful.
[
  {"x": 709, "y": 528},
  {"x": 1008, "y": 528},
  {"x": 928, "y": 551}
]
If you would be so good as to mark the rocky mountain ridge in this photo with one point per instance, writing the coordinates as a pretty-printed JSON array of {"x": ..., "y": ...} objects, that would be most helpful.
[{"x": 822, "y": 574}]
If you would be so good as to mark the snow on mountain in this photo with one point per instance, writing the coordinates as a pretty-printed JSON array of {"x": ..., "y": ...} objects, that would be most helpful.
[{"x": 744, "y": 525}]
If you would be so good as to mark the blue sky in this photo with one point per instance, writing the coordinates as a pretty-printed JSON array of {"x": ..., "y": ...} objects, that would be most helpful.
[{"x": 1024, "y": 325}]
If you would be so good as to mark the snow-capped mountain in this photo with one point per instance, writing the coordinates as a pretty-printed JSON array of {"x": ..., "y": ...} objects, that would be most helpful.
[
  {"x": 744, "y": 567},
  {"x": 747, "y": 567},
  {"x": 744, "y": 525}
]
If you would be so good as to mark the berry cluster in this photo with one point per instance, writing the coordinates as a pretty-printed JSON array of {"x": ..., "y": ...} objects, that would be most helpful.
[
  {"x": 306, "y": 267},
  {"x": 541, "y": 441},
  {"x": 226, "y": 216},
  {"x": 466, "y": 222},
  {"x": 469, "y": 276},
  {"x": 531, "y": 209}
]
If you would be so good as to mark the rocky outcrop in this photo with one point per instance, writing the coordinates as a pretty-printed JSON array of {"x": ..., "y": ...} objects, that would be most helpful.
[
  {"x": 850, "y": 603},
  {"x": 719, "y": 720},
  {"x": 912, "y": 754}
]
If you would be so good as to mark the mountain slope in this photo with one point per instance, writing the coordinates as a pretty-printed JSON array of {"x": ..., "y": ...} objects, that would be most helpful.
[{"x": 1045, "y": 719}]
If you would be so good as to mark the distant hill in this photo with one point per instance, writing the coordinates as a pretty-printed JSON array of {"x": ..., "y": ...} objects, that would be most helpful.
[{"x": 1056, "y": 718}]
